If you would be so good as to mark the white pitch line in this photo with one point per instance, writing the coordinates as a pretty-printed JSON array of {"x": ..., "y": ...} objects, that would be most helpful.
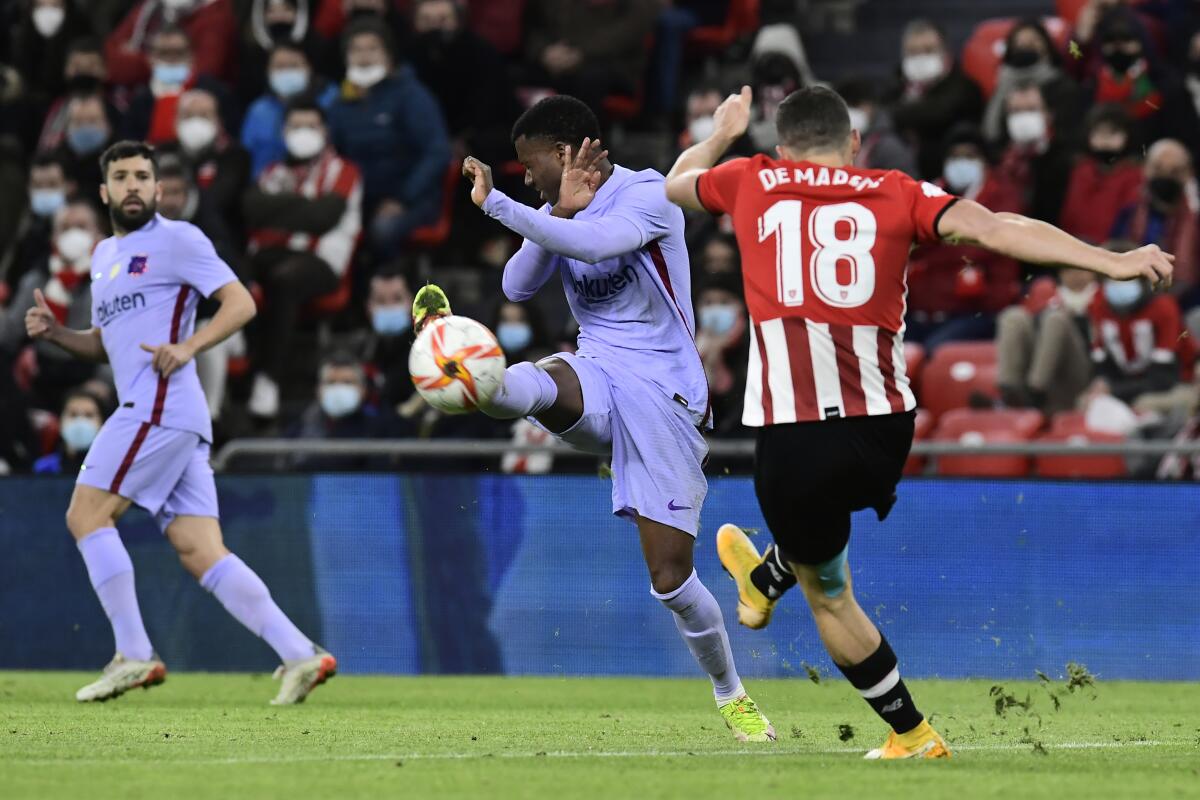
[{"x": 772, "y": 752}]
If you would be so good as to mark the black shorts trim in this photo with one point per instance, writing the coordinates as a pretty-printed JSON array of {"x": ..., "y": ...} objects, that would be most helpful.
[{"x": 811, "y": 476}]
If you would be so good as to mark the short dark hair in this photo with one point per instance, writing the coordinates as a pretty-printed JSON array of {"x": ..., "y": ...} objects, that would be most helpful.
[
  {"x": 173, "y": 30},
  {"x": 373, "y": 26},
  {"x": 560, "y": 118},
  {"x": 127, "y": 148},
  {"x": 813, "y": 118},
  {"x": 48, "y": 159},
  {"x": 291, "y": 47},
  {"x": 1112, "y": 114},
  {"x": 393, "y": 269},
  {"x": 305, "y": 102},
  {"x": 79, "y": 393}
]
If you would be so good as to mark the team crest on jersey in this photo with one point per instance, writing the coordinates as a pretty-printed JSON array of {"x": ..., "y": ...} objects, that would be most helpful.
[{"x": 138, "y": 264}]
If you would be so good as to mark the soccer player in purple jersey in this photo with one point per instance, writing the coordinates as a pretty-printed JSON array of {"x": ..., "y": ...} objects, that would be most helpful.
[
  {"x": 635, "y": 390},
  {"x": 146, "y": 281}
]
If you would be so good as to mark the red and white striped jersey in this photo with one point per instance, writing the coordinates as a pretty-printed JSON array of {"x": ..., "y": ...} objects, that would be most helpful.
[
  {"x": 824, "y": 254},
  {"x": 1150, "y": 335}
]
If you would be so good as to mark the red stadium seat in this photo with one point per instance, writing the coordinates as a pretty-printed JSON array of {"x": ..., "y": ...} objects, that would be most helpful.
[
  {"x": 741, "y": 20},
  {"x": 1070, "y": 428},
  {"x": 957, "y": 371},
  {"x": 436, "y": 233},
  {"x": 329, "y": 304},
  {"x": 1041, "y": 292},
  {"x": 984, "y": 50},
  {"x": 978, "y": 427},
  {"x": 914, "y": 360},
  {"x": 922, "y": 427}
]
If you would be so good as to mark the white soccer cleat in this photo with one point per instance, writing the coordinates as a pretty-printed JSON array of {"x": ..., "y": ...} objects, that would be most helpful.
[
  {"x": 298, "y": 678},
  {"x": 121, "y": 675}
]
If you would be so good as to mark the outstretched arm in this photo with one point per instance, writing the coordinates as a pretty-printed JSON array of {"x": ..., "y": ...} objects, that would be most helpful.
[
  {"x": 731, "y": 119},
  {"x": 1036, "y": 242},
  {"x": 40, "y": 323}
]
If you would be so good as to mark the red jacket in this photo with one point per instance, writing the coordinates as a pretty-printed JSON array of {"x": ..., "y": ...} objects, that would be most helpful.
[
  {"x": 961, "y": 279},
  {"x": 1096, "y": 195},
  {"x": 211, "y": 27}
]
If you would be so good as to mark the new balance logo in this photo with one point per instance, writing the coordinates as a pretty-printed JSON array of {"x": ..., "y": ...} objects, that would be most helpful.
[
  {"x": 895, "y": 705},
  {"x": 605, "y": 287}
]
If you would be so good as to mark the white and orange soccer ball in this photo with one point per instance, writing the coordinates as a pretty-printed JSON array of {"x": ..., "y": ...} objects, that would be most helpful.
[{"x": 456, "y": 364}]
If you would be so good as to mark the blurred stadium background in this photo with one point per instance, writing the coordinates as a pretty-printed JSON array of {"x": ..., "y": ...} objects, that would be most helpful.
[{"x": 1051, "y": 511}]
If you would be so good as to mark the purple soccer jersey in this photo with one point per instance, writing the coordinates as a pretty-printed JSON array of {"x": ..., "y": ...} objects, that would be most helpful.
[
  {"x": 145, "y": 287},
  {"x": 625, "y": 271}
]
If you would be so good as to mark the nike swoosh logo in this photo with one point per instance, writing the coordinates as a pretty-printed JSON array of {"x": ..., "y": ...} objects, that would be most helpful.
[{"x": 672, "y": 507}]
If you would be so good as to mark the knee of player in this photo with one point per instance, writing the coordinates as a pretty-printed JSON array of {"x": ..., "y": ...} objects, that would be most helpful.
[
  {"x": 668, "y": 576},
  {"x": 80, "y": 523}
]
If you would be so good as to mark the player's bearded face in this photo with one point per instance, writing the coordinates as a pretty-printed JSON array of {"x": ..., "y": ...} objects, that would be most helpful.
[{"x": 132, "y": 203}]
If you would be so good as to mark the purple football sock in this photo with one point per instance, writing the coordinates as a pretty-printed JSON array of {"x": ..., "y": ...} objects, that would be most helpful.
[
  {"x": 111, "y": 573},
  {"x": 247, "y": 598},
  {"x": 527, "y": 390}
]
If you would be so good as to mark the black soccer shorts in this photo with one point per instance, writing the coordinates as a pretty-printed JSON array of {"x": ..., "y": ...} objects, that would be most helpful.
[{"x": 810, "y": 476}]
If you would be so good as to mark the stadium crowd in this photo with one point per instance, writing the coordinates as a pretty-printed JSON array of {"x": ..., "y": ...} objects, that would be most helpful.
[{"x": 317, "y": 144}]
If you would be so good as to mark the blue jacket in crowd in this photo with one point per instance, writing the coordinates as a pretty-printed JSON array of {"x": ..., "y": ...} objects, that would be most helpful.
[{"x": 262, "y": 130}]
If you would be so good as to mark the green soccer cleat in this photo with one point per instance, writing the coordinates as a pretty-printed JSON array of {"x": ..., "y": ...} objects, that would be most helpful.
[
  {"x": 746, "y": 721},
  {"x": 430, "y": 303}
]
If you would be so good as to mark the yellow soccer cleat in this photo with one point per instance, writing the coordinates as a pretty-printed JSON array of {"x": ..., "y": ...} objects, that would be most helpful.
[
  {"x": 739, "y": 557},
  {"x": 430, "y": 303},
  {"x": 921, "y": 742},
  {"x": 748, "y": 724}
]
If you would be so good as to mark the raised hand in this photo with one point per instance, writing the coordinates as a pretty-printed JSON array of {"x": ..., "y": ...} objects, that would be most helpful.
[
  {"x": 40, "y": 322},
  {"x": 480, "y": 175},
  {"x": 732, "y": 117},
  {"x": 581, "y": 176},
  {"x": 1149, "y": 262},
  {"x": 168, "y": 357}
]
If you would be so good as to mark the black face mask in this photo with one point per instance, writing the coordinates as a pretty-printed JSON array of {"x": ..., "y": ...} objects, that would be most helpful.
[
  {"x": 1165, "y": 190},
  {"x": 1021, "y": 57},
  {"x": 1106, "y": 155},
  {"x": 1120, "y": 61},
  {"x": 280, "y": 32},
  {"x": 83, "y": 84}
]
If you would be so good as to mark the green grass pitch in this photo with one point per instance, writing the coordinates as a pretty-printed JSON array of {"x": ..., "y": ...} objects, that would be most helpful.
[{"x": 215, "y": 736}]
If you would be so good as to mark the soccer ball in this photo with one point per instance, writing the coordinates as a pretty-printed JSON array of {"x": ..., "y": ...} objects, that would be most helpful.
[{"x": 456, "y": 364}]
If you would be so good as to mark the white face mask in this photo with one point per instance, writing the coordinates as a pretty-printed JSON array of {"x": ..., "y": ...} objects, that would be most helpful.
[
  {"x": 963, "y": 173},
  {"x": 196, "y": 133},
  {"x": 1077, "y": 300},
  {"x": 74, "y": 244},
  {"x": 366, "y": 77},
  {"x": 177, "y": 5},
  {"x": 859, "y": 120},
  {"x": 48, "y": 20},
  {"x": 1026, "y": 127},
  {"x": 340, "y": 399},
  {"x": 304, "y": 143},
  {"x": 922, "y": 68},
  {"x": 701, "y": 128}
]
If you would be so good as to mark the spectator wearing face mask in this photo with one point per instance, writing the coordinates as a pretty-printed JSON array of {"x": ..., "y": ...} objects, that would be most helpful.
[
  {"x": 64, "y": 278},
  {"x": 701, "y": 104},
  {"x": 955, "y": 291},
  {"x": 84, "y": 75},
  {"x": 269, "y": 24},
  {"x": 340, "y": 410},
  {"x": 1128, "y": 74},
  {"x": 778, "y": 67},
  {"x": 220, "y": 165},
  {"x": 722, "y": 336},
  {"x": 1043, "y": 356},
  {"x": 78, "y": 424},
  {"x": 1135, "y": 340},
  {"x": 384, "y": 347},
  {"x": 47, "y": 192},
  {"x": 1031, "y": 57},
  {"x": 89, "y": 131},
  {"x": 1166, "y": 214},
  {"x": 290, "y": 76},
  {"x": 304, "y": 219},
  {"x": 1036, "y": 159},
  {"x": 881, "y": 147},
  {"x": 154, "y": 110},
  {"x": 521, "y": 331},
  {"x": 1106, "y": 177},
  {"x": 40, "y": 43},
  {"x": 388, "y": 123},
  {"x": 468, "y": 78},
  {"x": 932, "y": 95},
  {"x": 210, "y": 26}
]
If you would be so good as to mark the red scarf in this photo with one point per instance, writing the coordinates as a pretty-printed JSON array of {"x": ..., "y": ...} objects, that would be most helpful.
[
  {"x": 65, "y": 280},
  {"x": 1134, "y": 90}
]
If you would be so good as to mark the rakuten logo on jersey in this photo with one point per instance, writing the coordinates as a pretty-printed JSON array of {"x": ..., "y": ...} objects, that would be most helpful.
[
  {"x": 109, "y": 310},
  {"x": 605, "y": 287},
  {"x": 818, "y": 176}
]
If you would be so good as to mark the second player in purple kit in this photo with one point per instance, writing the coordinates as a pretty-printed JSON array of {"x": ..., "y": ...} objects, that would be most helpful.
[{"x": 146, "y": 281}]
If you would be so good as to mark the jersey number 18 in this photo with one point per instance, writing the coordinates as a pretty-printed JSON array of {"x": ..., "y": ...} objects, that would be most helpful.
[{"x": 783, "y": 221}]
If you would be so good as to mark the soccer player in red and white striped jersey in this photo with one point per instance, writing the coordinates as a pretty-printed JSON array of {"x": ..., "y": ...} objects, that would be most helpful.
[{"x": 824, "y": 250}]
